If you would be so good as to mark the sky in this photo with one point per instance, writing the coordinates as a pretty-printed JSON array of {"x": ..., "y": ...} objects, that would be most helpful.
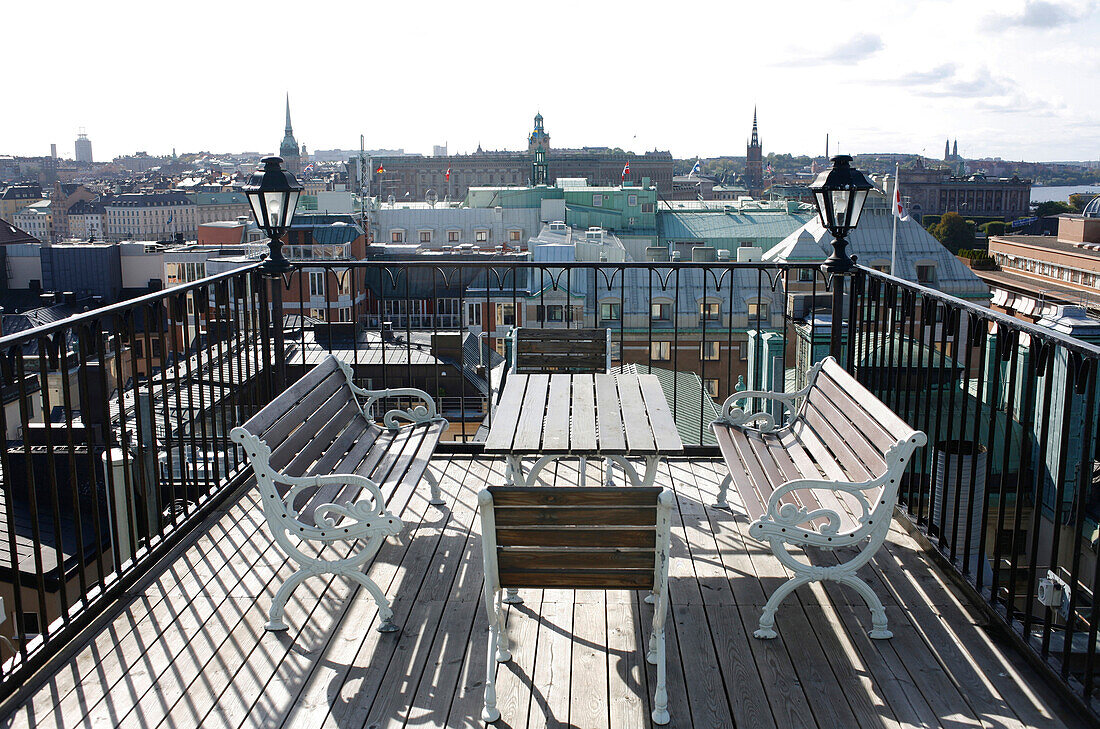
[{"x": 1015, "y": 79}]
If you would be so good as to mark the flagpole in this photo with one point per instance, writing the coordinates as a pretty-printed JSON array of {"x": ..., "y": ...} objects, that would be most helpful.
[{"x": 894, "y": 196}]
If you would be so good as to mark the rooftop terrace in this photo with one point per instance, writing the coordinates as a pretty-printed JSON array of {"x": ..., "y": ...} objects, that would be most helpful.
[{"x": 186, "y": 646}]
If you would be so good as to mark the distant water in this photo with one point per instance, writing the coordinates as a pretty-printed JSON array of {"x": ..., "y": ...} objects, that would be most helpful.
[{"x": 1059, "y": 192}]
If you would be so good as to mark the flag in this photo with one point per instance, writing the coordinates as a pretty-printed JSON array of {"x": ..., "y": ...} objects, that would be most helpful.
[
  {"x": 169, "y": 219},
  {"x": 448, "y": 175},
  {"x": 694, "y": 170},
  {"x": 308, "y": 168},
  {"x": 626, "y": 170},
  {"x": 899, "y": 209},
  {"x": 380, "y": 169}
]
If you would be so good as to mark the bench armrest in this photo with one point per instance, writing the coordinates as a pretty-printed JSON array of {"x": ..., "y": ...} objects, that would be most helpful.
[
  {"x": 425, "y": 413},
  {"x": 790, "y": 516},
  {"x": 761, "y": 420}
]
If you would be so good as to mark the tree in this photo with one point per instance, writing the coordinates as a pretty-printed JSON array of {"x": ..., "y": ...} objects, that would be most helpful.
[
  {"x": 994, "y": 227},
  {"x": 954, "y": 232},
  {"x": 1052, "y": 207},
  {"x": 1078, "y": 201}
]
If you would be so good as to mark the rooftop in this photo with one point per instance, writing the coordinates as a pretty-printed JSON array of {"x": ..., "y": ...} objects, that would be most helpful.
[{"x": 187, "y": 647}]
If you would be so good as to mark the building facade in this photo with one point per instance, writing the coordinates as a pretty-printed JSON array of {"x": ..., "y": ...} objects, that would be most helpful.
[
  {"x": 83, "y": 148},
  {"x": 87, "y": 220},
  {"x": 213, "y": 207},
  {"x": 935, "y": 192},
  {"x": 150, "y": 216},
  {"x": 16, "y": 197},
  {"x": 36, "y": 219}
]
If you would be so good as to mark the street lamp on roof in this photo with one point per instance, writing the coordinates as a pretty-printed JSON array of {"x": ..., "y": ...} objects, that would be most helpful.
[
  {"x": 839, "y": 194},
  {"x": 273, "y": 195}
]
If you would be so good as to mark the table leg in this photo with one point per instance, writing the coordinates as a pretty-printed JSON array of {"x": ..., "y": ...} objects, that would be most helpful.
[{"x": 610, "y": 480}]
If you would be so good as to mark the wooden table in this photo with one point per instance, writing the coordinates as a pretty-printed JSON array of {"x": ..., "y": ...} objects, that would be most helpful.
[{"x": 556, "y": 416}]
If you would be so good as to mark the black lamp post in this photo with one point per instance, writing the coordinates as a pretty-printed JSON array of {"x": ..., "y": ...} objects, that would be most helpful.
[
  {"x": 273, "y": 194},
  {"x": 839, "y": 194}
]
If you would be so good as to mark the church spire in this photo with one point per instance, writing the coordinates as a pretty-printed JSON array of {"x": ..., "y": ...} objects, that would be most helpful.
[
  {"x": 289, "y": 130},
  {"x": 755, "y": 135}
]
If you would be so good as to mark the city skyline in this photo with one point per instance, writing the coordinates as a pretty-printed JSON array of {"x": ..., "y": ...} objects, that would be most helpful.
[{"x": 1006, "y": 80}]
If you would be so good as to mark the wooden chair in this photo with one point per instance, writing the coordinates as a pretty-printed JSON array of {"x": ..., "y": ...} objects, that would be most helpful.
[
  {"x": 828, "y": 477},
  {"x": 575, "y": 538},
  {"x": 326, "y": 469},
  {"x": 577, "y": 351}
]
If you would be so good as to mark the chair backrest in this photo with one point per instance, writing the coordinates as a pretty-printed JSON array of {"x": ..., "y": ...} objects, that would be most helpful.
[
  {"x": 863, "y": 434},
  {"x": 586, "y": 537},
  {"x": 313, "y": 411},
  {"x": 577, "y": 351}
]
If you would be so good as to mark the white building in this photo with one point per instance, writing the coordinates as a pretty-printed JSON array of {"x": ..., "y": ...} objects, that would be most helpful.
[
  {"x": 150, "y": 216},
  {"x": 446, "y": 225},
  {"x": 36, "y": 219}
]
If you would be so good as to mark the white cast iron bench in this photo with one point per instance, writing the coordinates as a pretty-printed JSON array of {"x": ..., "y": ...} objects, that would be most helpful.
[
  {"x": 326, "y": 471},
  {"x": 828, "y": 477},
  {"x": 601, "y": 538}
]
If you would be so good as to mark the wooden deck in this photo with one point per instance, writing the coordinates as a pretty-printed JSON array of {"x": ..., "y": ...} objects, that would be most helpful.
[{"x": 188, "y": 649}]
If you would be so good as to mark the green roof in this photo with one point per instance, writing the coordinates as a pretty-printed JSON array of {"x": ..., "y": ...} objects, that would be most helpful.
[
  {"x": 691, "y": 407},
  {"x": 766, "y": 228}
]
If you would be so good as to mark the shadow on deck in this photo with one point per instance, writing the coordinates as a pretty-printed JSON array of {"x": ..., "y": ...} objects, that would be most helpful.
[{"x": 188, "y": 648}]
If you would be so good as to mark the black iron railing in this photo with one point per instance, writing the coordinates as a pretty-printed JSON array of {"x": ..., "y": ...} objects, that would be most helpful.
[
  {"x": 116, "y": 429},
  {"x": 1008, "y": 490}
]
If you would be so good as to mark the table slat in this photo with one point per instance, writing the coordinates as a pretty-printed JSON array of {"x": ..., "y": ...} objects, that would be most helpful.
[
  {"x": 612, "y": 439},
  {"x": 583, "y": 425},
  {"x": 532, "y": 414},
  {"x": 639, "y": 436},
  {"x": 555, "y": 434},
  {"x": 665, "y": 434},
  {"x": 506, "y": 416}
]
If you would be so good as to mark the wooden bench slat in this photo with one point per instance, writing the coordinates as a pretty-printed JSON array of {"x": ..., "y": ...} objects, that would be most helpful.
[
  {"x": 857, "y": 414},
  {"x": 786, "y": 451},
  {"x": 563, "y": 345},
  {"x": 889, "y": 420},
  {"x": 545, "y": 362},
  {"x": 511, "y": 558},
  {"x": 819, "y": 416},
  {"x": 301, "y": 411},
  {"x": 575, "y": 496},
  {"x": 576, "y": 537},
  {"x": 544, "y": 334},
  {"x": 743, "y": 483},
  {"x": 763, "y": 453},
  {"x": 850, "y": 434},
  {"x": 309, "y": 427},
  {"x": 282, "y": 402},
  {"x": 617, "y": 579},
  {"x": 576, "y": 515}
]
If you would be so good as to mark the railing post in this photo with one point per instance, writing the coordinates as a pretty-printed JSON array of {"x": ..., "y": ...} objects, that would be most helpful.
[
  {"x": 275, "y": 280},
  {"x": 836, "y": 335}
]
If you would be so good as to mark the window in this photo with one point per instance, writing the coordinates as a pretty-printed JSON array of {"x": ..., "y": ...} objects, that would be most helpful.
[
  {"x": 31, "y": 626},
  {"x": 711, "y": 385},
  {"x": 610, "y": 311},
  {"x": 805, "y": 275},
  {"x": 397, "y": 236},
  {"x": 660, "y": 311},
  {"x": 709, "y": 351},
  {"x": 513, "y": 236},
  {"x": 632, "y": 200},
  {"x": 882, "y": 267},
  {"x": 926, "y": 273},
  {"x": 660, "y": 351},
  {"x": 709, "y": 311},
  {"x": 597, "y": 201},
  {"x": 473, "y": 314},
  {"x": 758, "y": 310},
  {"x": 551, "y": 312},
  {"x": 647, "y": 207},
  {"x": 506, "y": 315},
  {"x": 452, "y": 236},
  {"x": 318, "y": 314},
  {"x": 425, "y": 236},
  {"x": 481, "y": 236},
  {"x": 316, "y": 283},
  {"x": 743, "y": 351},
  {"x": 345, "y": 313}
]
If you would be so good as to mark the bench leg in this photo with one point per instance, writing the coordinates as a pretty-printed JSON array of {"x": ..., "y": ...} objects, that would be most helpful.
[
  {"x": 385, "y": 612},
  {"x": 723, "y": 492},
  {"x": 278, "y": 604},
  {"x": 766, "y": 631},
  {"x": 879, "y": 627},
  {"x": 437, "y": 497}
]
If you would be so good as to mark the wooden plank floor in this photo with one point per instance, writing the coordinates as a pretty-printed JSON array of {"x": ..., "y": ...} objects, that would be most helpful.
[{"x": 188, "y": 648}]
